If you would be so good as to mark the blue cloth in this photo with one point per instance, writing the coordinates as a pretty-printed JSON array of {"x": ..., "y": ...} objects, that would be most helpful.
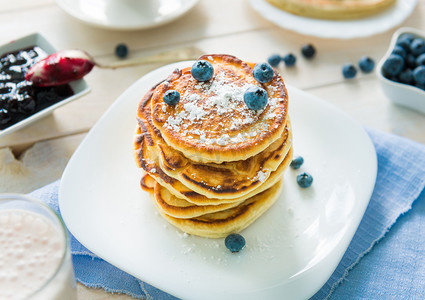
[{"x": 385, "y": 260}]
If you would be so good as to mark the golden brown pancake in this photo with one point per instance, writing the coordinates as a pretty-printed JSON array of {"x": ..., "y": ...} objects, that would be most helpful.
[
  {"x": 333, "y": 9},
  {"x": 212, "y": 123}
]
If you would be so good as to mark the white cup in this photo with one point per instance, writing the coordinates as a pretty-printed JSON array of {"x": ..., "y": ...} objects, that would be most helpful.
[{"x": 35, "y": 258}]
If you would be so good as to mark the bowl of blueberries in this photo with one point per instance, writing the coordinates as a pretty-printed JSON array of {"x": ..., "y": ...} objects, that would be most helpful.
[
  {"x": 401, "y": 71},
  {"x": 21, "y": 101}
]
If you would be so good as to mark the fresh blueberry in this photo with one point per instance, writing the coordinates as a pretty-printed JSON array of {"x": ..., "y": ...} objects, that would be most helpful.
[
  {"x": 27, "y": 104},
  {"x": 304, "y": 180},
  {"x": 417, "y": 47},
  {"x": 308, "y": 51},
  {"x": 410, "y": 60},
  {"x": 202, "y": 70},
  {"x": 234, "y": 242},
  {"x": 255, "y": 97},
  {"x": 121, "y": 50},
  {"x": 366, "y": 64},
  {"x": 289, "y": 60},
  {"x": 297, "y": 162},
  {"x": 263, "y": 72},
  {"x": 349, "y": 71},
  {"x": 419, "y": 75},
  {"x": 393, "y": 65},
  {"x": 400, "y": 51},
  {"x": 420, "y": 60},
  {"x": 406, "y": 76},
  {"x": 171, "y": 97},
  {"x": 404, "y": 41},
  {"x": 274, "y": 60}
]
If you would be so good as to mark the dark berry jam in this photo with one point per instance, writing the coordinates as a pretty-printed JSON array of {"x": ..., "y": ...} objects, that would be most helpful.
[{"x": 18, "y": 97}]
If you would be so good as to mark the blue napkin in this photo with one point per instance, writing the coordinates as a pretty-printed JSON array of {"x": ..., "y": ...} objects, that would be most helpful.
[{"x": 394, "y": 269}]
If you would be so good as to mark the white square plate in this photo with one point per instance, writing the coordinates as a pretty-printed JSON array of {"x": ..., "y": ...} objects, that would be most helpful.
[{"x": 291, "y": 250}]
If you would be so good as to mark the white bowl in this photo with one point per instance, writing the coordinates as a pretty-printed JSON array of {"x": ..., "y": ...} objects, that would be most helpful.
[
  {"x": 400, "y": 93},
  {"x": 79, "y": 87}
]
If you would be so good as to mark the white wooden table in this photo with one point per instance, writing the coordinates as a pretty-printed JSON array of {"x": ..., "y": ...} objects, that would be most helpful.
[{"x": 36, "y": 155}]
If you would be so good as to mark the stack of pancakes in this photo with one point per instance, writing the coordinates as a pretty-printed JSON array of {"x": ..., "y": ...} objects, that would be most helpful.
[{"x": 212, "y": 165}]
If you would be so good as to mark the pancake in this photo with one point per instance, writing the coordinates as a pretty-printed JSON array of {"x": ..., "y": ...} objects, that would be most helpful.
[
  {"x": 333, "y": 9},
  {"x": 222, "y": 223},
  {"x": 211, "y": 122},
  {"x": 227, "y": 180},
  {"x": 148, "y": 161}
]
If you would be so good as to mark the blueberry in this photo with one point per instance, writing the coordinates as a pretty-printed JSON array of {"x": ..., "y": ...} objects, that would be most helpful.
[
  {"x": 202, "y": 70},
  {"x": 263, "y": 72},
  {"x": 289, "y": 60},
  {"x": 366, "y": 64},
  {"x": 349, "y": 71},
  {"x": 417, "y": 47},
  {"x": 26, "y": 104},
  {"x": 419, "y": 75},
  {"x": 171, "y": 97},
  {"x": 400, "y": 51},
  {"x": 304, "y": 180},
  {"x": 121, "y": 50},
  {"x": 234, "y": 242},
  {"x": 297, "y": 162},
  {"x": 255, "y": 97},
  {"x": 393, "y": 65},
  {"x": 308, "y": 51},
  {"x": 410, "y": 60},
  {"x": 420, "y": 60},
  {"x": 274, "y": 60},
  {"x": 406, "y": 76}
]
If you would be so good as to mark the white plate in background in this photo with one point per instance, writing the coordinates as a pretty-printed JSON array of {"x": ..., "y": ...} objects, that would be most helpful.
[
  {"x": 341, "y": 29},
  {"x": 291, "y": 250}
]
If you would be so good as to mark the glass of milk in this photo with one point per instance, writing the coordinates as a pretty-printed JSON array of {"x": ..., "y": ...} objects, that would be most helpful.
[{"x": 35, "y": 258}]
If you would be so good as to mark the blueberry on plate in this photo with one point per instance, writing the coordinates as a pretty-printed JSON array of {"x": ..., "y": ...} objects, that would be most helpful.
[
  {"x": 405, "y": 40},
  {"x": 417, "y": 47},
  {"x": 406, "y": 76},
  {"x": 410, "y": 60},
  {"x": 304, "y": 180},
  {"x": 349, "y": 71},
  {"x": 171, "y": 97},
  {"x": 274, "y": 60},
  {"x": 366, "y": 64},
  {"x": 234, "y": 242},
  {"x": 419, "y": 75},
  {"x": 308, "y": 51},
  {"x": 202, "y": 70},
  {"x": 393, "y": 65},
  {"x": 297, "y": 162},
  {"x": 255, "y": 97},
  {"x": 121, "y": 50},
  {"x": 289, "y": 60},
  {"x": 420, "y": 60},
  {"x": 263, "y": 72},
  {"x": 400, "y": 51}
]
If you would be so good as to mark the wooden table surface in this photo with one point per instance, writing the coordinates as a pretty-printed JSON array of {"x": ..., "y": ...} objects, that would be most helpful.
[{"x": 37, "y": 155}]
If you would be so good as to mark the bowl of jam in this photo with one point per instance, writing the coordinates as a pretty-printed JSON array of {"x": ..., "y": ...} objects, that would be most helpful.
[{"x": 21, "y": 102}]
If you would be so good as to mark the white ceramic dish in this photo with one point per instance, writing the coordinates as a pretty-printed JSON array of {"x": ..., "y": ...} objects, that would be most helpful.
[
  {"x": 291, "y": 250},
  {"x": 336, "y": 29},
  {"x": 79, "y": 87},
  {"x": 399, "y": 93},
  {"x": 126, "y": 14}
]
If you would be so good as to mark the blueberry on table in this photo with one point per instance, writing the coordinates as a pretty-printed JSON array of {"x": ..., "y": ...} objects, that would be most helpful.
[
  {"x": 121, "y": 50},
  {"x": 263, "y": 72},
  {"x": 304, "y": 180},
  {"x": 274, "y": 60},
  {"x": 255, "y": 97},
  {"x": 234, "y": 242},
  {"x": 171, "y": 97},
  {"x": 419, "y": 75},
  {"x": 366, "y": 64},
  {"x": 289, "y": 60},
  {"x": 393, "y": 65},
  {"x": 406, "y": 76},
  {"x": 308, "y": 51},
  {"x": 417, "y": 47},
  {"x": 349, "y": 71},
  {"x": 400, "y": 51},
  {"x": 202, "y": 70},
  {"x": 297, "y": 162}
]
